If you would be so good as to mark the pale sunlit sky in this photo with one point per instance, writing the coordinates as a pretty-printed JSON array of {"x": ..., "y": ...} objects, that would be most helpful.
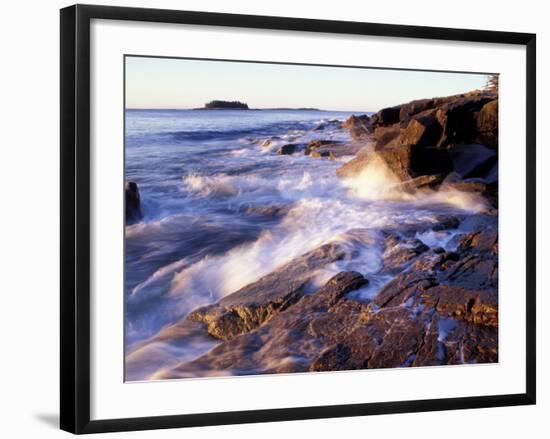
[{"x": 183, "y": 83}]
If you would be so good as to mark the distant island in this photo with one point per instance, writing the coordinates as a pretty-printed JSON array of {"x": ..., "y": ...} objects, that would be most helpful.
[
  {"x": 222, "y": 105},
  {"x": 238, "y": 105}
]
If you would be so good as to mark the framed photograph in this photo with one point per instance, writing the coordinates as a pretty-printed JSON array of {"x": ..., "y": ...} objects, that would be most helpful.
[{"x": 268, "y": 218}]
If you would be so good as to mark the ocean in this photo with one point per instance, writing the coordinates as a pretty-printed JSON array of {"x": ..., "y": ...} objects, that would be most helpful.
[{"x": 222, "y": 208}]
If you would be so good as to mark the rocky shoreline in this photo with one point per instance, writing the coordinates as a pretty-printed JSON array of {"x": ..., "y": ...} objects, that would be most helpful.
[{"x": 440, "y": 305}]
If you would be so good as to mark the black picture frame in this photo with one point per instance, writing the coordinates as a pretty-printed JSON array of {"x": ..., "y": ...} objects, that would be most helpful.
[{"x": 75, "y": 217}]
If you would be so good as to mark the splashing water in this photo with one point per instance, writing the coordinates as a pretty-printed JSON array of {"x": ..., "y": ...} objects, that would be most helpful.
[
  {"x": 376, "y": 182},
  {"x": 198, "y": 242}
]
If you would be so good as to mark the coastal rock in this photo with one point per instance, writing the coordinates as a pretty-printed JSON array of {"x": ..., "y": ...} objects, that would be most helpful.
[
  {"x": 460, "y": 285},
  {"x": 291, "y": 340},
  {"x": 318, "y": 154},
  {"x": 487, "y": 124},
  {"x": 359, "y": 127},
  {"x": 249, "y": 307},
  {"x": 422, "y": 141},
  {"x": 386, "y": 135},
  {"x": 400, "y": 252},
  {"x": 386, "y": 116},
  {"x": 288, "y": 149},
  {"x": 472, "y": 160},
  {"x": 424, "y": 181},
  {"x": 405, "y": 162},
  {"x": 420, "y": 318},
  {"x": 133, "y": 203},
  {"x": 336, "y": 150},
  {"x": 265, "y": 210},
  {"x": 330, "y": 124},
  {"x": 443, "y": 122},
  {"x": 315, "y": 144},
  {"x": 458, "y": 119},
  {"x": 269, "y": 142},
  {"x": 414, "y": 107},
  {"x": 331, "y": 149},
  {"x": 422, "y": 131},
  {"x": 441, "y": 309}
]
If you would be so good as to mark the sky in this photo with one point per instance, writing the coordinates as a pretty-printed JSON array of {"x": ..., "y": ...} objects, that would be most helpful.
[{"x": 190, "y": 83}]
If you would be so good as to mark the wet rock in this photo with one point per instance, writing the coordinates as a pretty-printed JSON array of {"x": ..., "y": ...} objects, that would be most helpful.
[
  {"x": 336, "y": 150},
  {"x": 265, "y": 210},
  {"x": 145, "y": 358},
  {"x": 476, "y": 306},
  {"x": 466, "y": 186},
  {"x": 292, "y": 340},
  {"x": 331, "y": 124},
  {"x": 472, "y": 160},
  {"x": 133, "y": 203},
  {"x": 334, "y": 358},
  {"x": 359, "y": 126},
  {"x": 461, "y": 284},
  {"x": 316, "y": 144},
  {"x": 268, "y": 142},
  {"x": 319, "y": 154},
  {"x": 405, "y": 162},
  {"x": 289, "y": 148},
  {"x": 252, "y": 305},
  {"x": 442, "y": 309},
  {"x": 445, "y": 223},
  {"x": 400, "y": 252},
  {"x": 470, "y": 343},
  {"x": 424, "y": 181}
]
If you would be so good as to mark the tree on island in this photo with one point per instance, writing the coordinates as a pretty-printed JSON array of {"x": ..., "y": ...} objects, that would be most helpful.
[{"x": 226, "y": 104}]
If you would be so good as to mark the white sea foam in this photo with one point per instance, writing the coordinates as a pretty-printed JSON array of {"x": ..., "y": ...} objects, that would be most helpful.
[{"x": 321, "y": 208}]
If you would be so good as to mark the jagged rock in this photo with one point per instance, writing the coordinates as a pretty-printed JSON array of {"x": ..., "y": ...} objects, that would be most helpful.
[
  {"x": 461, "y": 284},
  {"x": 358, "y": 126},
  {"x": 315, "y": 144},
  {"x": 335, "y": 150},
  {"x": 414, "y": 107},
  {"x": 387, "y": 116},
  {"x": 265, "y": 210},
  {"x": 333, "y": 124},
  {"x": 472, "y": 160},
  {"x": 458, "y": 118},
  {"x": 319, "y": 154},
  {"x": 487, "y": 124},
  {"x": 441, "y": 310},
  {"x": 405, "y": 162},
  {"x": 400, "y": 252},
  {"x": 386, "y": 135},
  {"x": 467, "y": 186},
  {"x": 133, "y": 203},
  {"x": 289, "y": 148},
  {"x": 423, "y": 181},
  {"x": 255, "y": 303},
  {"x": 268, "y": 142},
  {"x": 443, "y": 122},
  {"x": 422, "y": 131},
  {"x": 291, "y": 340}
]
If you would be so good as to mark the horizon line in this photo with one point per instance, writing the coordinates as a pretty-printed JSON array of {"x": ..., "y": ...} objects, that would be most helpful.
[{"x": 251, "y": 109}]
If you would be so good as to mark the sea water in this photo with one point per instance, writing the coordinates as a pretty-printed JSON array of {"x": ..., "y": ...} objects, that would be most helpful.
[{"x": 222, "y": 208}]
